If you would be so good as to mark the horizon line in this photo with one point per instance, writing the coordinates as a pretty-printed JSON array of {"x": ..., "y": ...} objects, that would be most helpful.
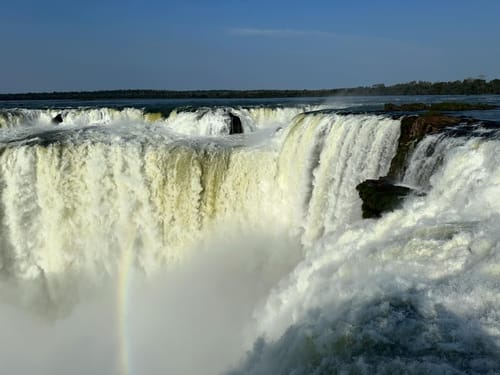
[{"x": 222, "y": 90}]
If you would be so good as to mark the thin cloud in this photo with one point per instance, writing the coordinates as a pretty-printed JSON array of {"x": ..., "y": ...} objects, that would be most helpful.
[
  {"x": 281, "y": 33},
  {"x": 353, "y": 39}
]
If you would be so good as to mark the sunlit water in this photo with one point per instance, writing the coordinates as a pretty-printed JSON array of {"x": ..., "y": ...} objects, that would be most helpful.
[{"x": 141, "y": 238}]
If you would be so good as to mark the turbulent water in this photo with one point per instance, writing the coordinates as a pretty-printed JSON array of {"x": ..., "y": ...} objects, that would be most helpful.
[{"x": 136, "y": 241}]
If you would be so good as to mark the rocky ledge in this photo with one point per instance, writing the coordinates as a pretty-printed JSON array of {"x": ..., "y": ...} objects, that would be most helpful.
[
  {"x": 413, "y": 129},
  {"x": 385, "y": 194},
  {"x": 379, "y": 196}
]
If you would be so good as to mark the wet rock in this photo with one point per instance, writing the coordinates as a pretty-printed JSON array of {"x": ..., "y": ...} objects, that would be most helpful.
[
  {"x": 381, "y": 196},
  {"x": 57, "y": 119},
  {"x": 413, "y": 129},
  {"x": 384, "y": 194},
  {"x": 390, "y": 107},
  {"x": 235, "y": 126}
]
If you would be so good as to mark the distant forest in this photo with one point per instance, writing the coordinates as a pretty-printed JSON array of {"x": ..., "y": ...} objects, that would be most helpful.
[{"x": 468, "y": 86}]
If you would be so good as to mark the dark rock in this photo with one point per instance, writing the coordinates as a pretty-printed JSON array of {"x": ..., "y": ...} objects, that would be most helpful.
[
  {"x": 383, "y": 195},
  {"x": 57, "y": 119},
  {"x": 390, "y": 107},
  {"x": 235, "y": 126},
  {"x": 413, "y": 129},
  {"x": 380, "y": 196}
]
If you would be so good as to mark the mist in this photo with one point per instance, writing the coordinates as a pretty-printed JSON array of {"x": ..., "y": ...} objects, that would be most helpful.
[{"x": 197, "y": 317}]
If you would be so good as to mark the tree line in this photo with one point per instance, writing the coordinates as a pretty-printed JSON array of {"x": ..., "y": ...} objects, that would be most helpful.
[{"x": 466, "y": 87}]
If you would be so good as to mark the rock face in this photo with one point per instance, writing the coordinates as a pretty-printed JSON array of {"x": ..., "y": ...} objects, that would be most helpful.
[
  {"x": 413, "y": 129},
  {"x": 235, "y": 126},
  {"x": 57, "y": 119},
  {"x": 380, "y": 196},
  {"x": 384, "y": 195}
]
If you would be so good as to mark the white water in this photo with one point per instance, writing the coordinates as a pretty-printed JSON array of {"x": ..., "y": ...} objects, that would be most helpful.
[
  {"x": 416, "y": 291},
  {"x": 81, "y": 117},
  {"x": 249, "y": 239},
  {"x": 210, "y": 122},
  {"x": 203, "y": 121},
  {"x": 74, "y": 205}
]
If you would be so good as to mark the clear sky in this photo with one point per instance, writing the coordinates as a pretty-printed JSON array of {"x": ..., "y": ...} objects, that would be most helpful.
[{"x": 49, "y": 45}]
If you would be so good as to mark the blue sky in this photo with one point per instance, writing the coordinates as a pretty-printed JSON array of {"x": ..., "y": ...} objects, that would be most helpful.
[{"x": 55, "y": 45}]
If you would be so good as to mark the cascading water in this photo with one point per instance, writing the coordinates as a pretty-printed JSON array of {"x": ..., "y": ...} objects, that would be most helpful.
[
  {"x": 220, "y": 244},
  {"x": 74, "y": 203},
  {"x": 414, "y": 292},
  {"x": 200, "y": 121}
]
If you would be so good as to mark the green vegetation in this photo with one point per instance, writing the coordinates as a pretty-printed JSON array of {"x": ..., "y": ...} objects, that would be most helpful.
[
  {"x": 465, "y": 87},
  {"x": 435, "y": 107}
]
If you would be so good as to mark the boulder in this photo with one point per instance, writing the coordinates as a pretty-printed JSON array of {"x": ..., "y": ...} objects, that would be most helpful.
[
  {"x": 57, "y": 119},
  {"x": 384, "y": 195},
  {"x": 413, "y": 129},
  {"x": 235, "y": 126},
  {"x": 381, "y": 196}
]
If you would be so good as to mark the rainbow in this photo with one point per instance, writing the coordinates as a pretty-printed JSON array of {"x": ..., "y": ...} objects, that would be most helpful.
[{"x": 125, "y": 271}]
